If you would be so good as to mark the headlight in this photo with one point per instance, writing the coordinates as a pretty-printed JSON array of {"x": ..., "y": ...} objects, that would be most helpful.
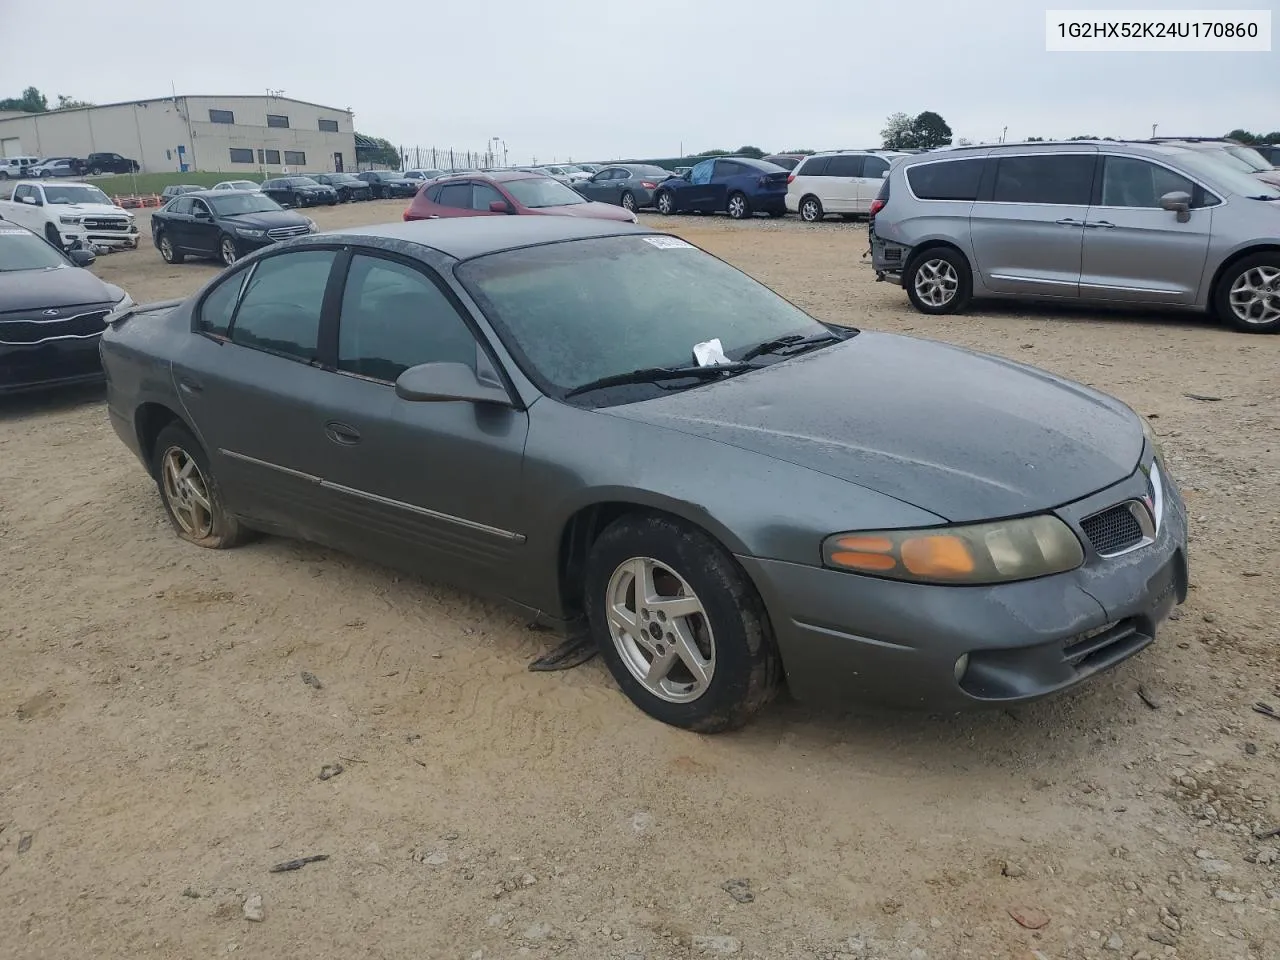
[
  {"x": 251, "y": 233},
  {"x": 69, "y": 221},
  {"x": 1152, "y": 439},
  {"x": 997, "y": 552},
  {"x": 311, "y": 226}
]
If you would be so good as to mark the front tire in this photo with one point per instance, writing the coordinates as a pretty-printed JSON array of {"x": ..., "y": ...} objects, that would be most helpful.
[
  {"x": 938, "y": 281},
  {"x": 665, "y": 203},
  {"x": 228, "y": 252},
  {"x": 95, "y": 171},
  {"x": 679, "y": 625},
  {"x": 1248, "y": 294},
  {"x": 190, "y": 492},
  {"x": 299, "y": 200},
  {"x": 739, "y": 207},
  {"x": 167, "y": 251}
]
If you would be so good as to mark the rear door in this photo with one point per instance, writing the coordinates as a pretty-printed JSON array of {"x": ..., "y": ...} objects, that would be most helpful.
[
  {"x": 871, "y": 178},
  {"x": 1028, "y": 223},
  {"x": 429, "y": 486},
  {"x": 1136, "y": 251},
  {"x": 454, "y": 199},
  {"x": 840, "y": 183}
]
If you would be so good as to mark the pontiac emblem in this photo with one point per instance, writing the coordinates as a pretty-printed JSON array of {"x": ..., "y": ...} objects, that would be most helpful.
[{"x": 51, "y": 313}]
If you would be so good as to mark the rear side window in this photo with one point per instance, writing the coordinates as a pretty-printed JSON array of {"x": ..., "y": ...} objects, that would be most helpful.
[
  {"x": 946, "y": 179},
  {"x": 813, "y": 167},
  {"x": 280, "y": 309},
  {"x": 483, "y": 195},
  {"x": 727, "y": 168},
  {"x": 845, "y": 165},
  {"x": 1059, "y": 179},
  {"x": 455, "y": 195}
]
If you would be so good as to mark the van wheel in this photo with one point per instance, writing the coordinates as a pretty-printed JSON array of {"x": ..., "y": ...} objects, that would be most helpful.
[
  {"x": 679, "y": 625},
  {"x": 811, "y": 210},
  {"x": 938, "y": 281},
  {"x": 1248, "y": 294}
]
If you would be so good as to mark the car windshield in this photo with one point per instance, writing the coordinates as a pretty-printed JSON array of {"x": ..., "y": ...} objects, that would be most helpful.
[
  {"x": 1225, "y": 174},
  {"x": 23, "y": 250},
  {"x": 575, "y": 312},
  {"x": 238, "y": 203},
  {"x": 75, "y": 194},
  {"x": 1256, "y": 161},
  {"x": 303, "y": 182},
  {"x": 536, "y": 192}
]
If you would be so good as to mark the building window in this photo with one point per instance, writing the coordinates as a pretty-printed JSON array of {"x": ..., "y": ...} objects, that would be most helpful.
[
  {"x": 295, "y": 158},
  {"x": 276, "y": 120},
  {"x": 329, "y": 126},
  {"x": 241, "y": 155},
  {"x": 221, "y": 116},
  {"x": 268, "y": 156}
]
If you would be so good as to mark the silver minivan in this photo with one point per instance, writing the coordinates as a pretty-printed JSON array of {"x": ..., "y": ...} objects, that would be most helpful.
[{"x": 1104, "y": 222}]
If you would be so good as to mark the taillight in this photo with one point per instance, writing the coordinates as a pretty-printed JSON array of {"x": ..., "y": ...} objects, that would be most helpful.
[
  {"x": 648, "y": 186},
  {"x": 877, "y": 205},
  {"x": 791, "y": 178}
]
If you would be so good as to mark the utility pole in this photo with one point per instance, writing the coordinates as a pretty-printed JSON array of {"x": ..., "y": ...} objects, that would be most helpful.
[
  {"x": 1003, "y": 134},
  {"x": 1153, "y": 130}
]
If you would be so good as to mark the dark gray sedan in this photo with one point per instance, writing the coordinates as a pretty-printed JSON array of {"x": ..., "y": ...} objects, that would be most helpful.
[
  {"x": 607, "y": 426},
  {"x": 629, "y": 185}
]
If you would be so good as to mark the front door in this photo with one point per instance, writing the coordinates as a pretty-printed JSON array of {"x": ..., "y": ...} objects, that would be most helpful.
[
  {"x": 1136, "y": 251},
  {"x": 429, "y": 486},
  {"x": 253, "y": 389},
  {"x": 1028, "y": 227},
  {"x": 203, "y": 238},
  {"x": 700, "y": 193}
]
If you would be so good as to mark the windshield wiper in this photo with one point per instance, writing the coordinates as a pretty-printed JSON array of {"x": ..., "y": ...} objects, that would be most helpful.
[
  {"x": 794, "y": 341},
  {"x": 658, "y": 374},
  {"x": 1262, "y": 198}
]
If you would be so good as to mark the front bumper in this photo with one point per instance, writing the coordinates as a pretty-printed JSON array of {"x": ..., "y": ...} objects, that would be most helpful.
[
  {"x": 850, "y": 639},
  {"x": 54, "y": 363},
  {"x": 110, "y": 239}
]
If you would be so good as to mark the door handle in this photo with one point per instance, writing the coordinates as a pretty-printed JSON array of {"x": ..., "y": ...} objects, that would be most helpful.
[
  {"x": 187, "y": 385},
  {"x": 342, "y": 433},
  {"x": 1068, "y": 222},
  {"x": 1101, "y": 224}
]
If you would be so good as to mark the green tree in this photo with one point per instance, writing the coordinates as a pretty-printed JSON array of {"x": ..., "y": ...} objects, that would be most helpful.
[
  {"x": 69, "y": 103},
  {"x": 806, "y": 153},
  {"x": 712, "y": 153},
  {"x": 376, "y": 150},
  {"x": 749, "y": 151},
  {"x": 925, "y": 131},
  {"x": 1244, "y": 136},
  {"x": 1035, "y": 139},
  {"x": 897, "y": 132},
  {"x": 31, "y": 101}
]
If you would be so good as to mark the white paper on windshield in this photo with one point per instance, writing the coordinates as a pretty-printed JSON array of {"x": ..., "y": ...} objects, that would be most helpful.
[
  {"x": 709, "y": 353},
  {"x": 13, "y": 233},
  {"x": 667, "y": 243}
]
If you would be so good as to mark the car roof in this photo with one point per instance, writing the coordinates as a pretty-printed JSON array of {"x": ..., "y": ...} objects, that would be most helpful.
[
  {"x": 1137, "y": 147},
  {"x": 467, "y": 237}
]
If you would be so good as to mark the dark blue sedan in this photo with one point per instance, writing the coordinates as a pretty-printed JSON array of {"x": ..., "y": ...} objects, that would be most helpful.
[{"x": 740, "y": 186}]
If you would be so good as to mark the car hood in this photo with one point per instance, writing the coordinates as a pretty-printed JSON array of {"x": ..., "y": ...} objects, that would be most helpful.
[
  {"x": 597, "y": 211},
  {"x": 87, "y": 210},
  {"x": 1269, "y": 176},
  {"x": 23, "y": 290},
  {"x": 963, "y": 435},
  {"x": 266, "y": 219}
]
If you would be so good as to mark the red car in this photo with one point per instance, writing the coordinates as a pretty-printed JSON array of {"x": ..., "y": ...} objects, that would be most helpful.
[{"x": 505, "y": 192}]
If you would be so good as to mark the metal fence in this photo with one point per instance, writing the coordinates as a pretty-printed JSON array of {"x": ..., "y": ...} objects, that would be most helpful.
[{"x": 440, "y": 158}]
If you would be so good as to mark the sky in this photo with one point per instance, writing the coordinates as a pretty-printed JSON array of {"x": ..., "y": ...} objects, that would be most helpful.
[{"x": 650, "y": 78}]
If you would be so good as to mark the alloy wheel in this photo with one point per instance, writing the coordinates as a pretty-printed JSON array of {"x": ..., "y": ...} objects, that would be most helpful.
[
  {"x": 665, "y": 205},
  {"x": 737, "y": 206},
  {"x": 936, "y": 282},
  {"x": 187, "y": 493},
  {"x": 166, "y": 248},
  {"x": 660, "y": 630},
  {"x": 1255, "y": 295},
  {"x": 228, "y": 250},
  {"x": 809, "y": 211},
  {"x": 628, "y": 202}
]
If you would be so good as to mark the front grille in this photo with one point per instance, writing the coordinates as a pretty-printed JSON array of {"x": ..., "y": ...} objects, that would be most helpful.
[
  {"x": 284, "y": 233},
  {"x": 119, "y": 224},
  {"x": 1102, "y": 644},
  {"x": 1114, "y": 530},
  {"x": 26, "y": 332}
]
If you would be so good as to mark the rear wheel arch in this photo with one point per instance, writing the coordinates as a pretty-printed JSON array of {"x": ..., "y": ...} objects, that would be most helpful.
[
  {"x": 148, "y": 420},
  {"x": 922, "y": 248}
]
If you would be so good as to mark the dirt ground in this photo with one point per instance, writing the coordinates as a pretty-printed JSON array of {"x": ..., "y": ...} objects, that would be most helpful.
[{"x": 160, "y": 751}]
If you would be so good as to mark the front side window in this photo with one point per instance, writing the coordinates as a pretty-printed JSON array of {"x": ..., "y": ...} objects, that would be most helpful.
[
  {"x": 200, "y": 208},
  {"x": 1129, "y": 182},
  {"x": 22, "y": 192},
  {"x": 483, "y": 195},
  {"x": 946, "y": 179},
  {"x": 844, "y": 165},
  {"x": 280, "y": 309},
  {"x": 181, "y": 205},
  {"x": 393, "y": 318},
  {"x": 1065, "y": 179},
  {"x": 701, "y": 172},
  {"x": 584, "y": 309}
]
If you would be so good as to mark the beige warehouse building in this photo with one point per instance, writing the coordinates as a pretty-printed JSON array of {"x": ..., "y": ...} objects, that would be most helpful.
[{"x": 223, "y": 134}]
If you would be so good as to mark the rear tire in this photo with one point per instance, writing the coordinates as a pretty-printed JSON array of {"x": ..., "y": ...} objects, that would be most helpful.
[
  {"x": 629, "y": 202},
  {"x": 299, "y": 200},
  {"x": 938, "y": 281},
  {"x": 811, "y": 210},
  {"x": 1248, "y": 294},
  {"x": 190, "y": 492},
  {"x": 167, "y": 251},
  {"x": 738, "y": 207},
  {"x": 722, "y": 627}
]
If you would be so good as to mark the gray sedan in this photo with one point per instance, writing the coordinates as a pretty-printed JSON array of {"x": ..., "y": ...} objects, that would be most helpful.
[
  {"x": 629, "y": 185},
  {"x": 615, "y": 431}
]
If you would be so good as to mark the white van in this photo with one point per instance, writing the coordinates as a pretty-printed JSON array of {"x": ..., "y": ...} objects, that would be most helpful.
[
  {"x": 14, "y": 168},
  {"x": 839, "y": 181}
]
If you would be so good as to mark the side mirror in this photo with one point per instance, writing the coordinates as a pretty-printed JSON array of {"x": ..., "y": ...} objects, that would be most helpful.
[
  {"x": 441, "y": 382},
  {"x": 499, "y": 206},
  {"x": 203, "y": 215},
  {"x": 28, "y": 198},
  {"x": 1178, "y": 202},
  {"x": 884, "y": 174},
  {"x": 82, "y": 258}
]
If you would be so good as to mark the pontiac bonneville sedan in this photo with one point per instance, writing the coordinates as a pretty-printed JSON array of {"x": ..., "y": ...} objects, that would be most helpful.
[{"x": 614, "y": 430}]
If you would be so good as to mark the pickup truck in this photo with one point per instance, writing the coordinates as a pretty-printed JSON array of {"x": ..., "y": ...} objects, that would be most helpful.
[
  {"x": 70, "y": 215},
  {"x": 97, "y": 163}
]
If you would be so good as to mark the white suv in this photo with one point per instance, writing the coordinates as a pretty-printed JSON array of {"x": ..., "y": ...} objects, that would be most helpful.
[{"x": 841, "y": 181}]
